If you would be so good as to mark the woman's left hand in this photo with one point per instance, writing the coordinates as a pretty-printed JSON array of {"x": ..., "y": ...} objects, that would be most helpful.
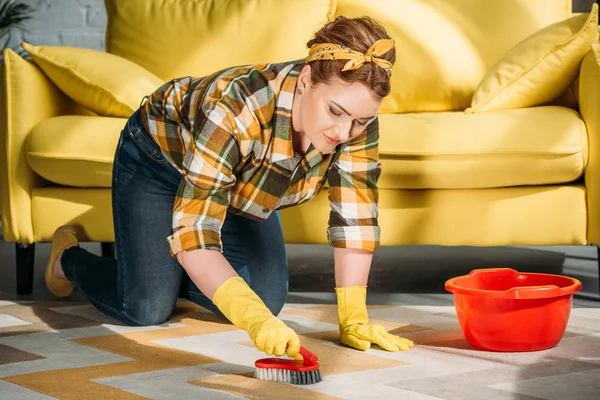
[
  {"x": 361, "y": 337},
  {"x": 355, "y": 330}
]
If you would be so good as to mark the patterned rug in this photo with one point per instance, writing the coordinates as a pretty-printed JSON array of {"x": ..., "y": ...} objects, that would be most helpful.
[{"x": 69, "y": 350}]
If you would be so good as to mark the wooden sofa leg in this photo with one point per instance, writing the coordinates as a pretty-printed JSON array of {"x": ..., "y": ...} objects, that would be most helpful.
[
  {"x": 108, "y": 249},
  {"x": 25, "y": 259}
]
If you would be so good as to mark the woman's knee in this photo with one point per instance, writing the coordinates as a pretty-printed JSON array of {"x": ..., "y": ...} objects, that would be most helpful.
[{"x": 148, "y": 314}]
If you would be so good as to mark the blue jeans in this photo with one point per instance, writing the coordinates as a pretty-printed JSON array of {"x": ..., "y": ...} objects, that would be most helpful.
[{"x": 141, "y": 286}]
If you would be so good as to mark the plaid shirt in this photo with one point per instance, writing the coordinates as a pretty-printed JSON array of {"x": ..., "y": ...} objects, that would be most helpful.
[{"x": 230, "y": 136}]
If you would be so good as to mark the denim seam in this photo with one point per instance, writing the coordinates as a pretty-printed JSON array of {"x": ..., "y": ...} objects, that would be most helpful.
[{"x": 120, "y": 268}]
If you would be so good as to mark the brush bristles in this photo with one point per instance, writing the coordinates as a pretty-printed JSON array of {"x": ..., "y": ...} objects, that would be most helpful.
[{"x": 287, "y": 376}]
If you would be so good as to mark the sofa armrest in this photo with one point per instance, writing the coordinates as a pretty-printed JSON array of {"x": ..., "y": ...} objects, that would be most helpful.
[
  {"x": 27, "y": 97},
  {"x": 589, "y": 106}
]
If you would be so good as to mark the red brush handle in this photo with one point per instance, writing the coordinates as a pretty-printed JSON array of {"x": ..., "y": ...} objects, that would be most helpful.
[
  {"x": 309, "y": 357},
  {"x": 309, "y": 363}
]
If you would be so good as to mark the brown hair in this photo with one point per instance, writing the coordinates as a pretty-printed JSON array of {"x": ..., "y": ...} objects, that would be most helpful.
[{"x": 358, "y": 34}]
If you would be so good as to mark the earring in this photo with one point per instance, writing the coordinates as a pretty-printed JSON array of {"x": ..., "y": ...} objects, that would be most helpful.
[{"x": 299, "y": 92}]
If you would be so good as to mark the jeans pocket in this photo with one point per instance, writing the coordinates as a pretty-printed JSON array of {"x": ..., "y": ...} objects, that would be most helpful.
[{"x": 146, "y": 145}]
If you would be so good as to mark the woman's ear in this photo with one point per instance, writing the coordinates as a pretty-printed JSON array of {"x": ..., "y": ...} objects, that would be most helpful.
[{"x": 304, "y": 81}]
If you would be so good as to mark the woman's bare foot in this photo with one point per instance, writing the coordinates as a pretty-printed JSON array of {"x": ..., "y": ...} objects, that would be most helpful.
[{"x": 57, "y": 270}]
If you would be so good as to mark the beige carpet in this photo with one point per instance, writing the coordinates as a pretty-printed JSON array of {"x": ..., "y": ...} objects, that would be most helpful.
[{"x": 69, "y": 350}]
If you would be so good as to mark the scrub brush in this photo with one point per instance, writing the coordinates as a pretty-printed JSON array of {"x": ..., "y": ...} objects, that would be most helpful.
[{"x": 296, "y": 372}]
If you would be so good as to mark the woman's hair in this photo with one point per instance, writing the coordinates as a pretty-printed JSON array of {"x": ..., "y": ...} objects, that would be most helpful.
[{"x": 358, "y": 34}]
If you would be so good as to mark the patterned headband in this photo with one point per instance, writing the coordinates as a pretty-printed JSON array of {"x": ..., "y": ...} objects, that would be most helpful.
[{"x": 330, "y": 51}]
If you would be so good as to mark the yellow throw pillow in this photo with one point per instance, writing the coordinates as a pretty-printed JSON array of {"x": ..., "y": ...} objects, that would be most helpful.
[
  {"x": 539, "y": 68},
  {"x": 105, "y": 83}
]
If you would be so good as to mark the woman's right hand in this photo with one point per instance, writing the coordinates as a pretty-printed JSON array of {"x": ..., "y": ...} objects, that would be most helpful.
[
  {"x": 274, "y": 337},
  {"x": 242, "y": 306}
]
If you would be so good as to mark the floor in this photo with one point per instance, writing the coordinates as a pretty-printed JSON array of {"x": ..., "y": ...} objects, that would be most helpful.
[
  {"x": 406, "y": 295},
  {"x": 406, "y": 275}
]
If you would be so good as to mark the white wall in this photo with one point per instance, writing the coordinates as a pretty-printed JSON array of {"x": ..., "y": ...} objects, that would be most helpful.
[{"x": 80, "y": 23}]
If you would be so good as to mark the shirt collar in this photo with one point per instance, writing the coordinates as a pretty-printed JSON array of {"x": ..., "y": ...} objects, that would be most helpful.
[
  {"x": 283, "y": 149},
  {"x": 282, "y": 120}
]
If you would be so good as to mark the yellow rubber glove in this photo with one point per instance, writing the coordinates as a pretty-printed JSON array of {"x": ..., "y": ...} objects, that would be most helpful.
[
  {"x": 242, "y": 306},
  {"x": 355, "y": 330}
]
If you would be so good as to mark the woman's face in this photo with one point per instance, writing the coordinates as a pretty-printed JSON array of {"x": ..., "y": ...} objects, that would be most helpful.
[{"x": 331, "y": 113}]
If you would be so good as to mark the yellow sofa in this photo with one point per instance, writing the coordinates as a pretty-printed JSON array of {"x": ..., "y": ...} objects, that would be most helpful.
[{"x": 528, "y": 176}]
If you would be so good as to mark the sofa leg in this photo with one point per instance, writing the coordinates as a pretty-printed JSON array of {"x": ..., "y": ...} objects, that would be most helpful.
[
  {"x": 598, "y": 283},
  {"x": 25, "y": 260},
  {"x": 108, "y": 249}
]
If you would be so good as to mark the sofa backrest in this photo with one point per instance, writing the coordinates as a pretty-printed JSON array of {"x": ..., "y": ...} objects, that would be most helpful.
[
  {"x": 444, "y": 47},
  {"x": 175, "y": 38}
]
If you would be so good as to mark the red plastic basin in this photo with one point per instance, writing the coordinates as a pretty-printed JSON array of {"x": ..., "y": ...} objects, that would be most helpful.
[{"x": 500, "y": 309}]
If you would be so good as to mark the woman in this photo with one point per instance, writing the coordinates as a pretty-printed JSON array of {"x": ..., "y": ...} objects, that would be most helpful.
[{"x": 203, "y": 166}]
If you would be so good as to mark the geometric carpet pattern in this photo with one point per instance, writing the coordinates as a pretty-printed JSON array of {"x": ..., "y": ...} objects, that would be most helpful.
[{"x": 69, "y": 350}]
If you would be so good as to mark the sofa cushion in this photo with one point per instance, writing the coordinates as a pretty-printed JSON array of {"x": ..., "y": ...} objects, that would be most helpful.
[
  {"x": 531, "y": 146},
  {"x": 539, "y": 68},
  {"x": 524, "y": 216},
  {"x": 75, "y": 150},
  {"x": 175, "y": 38},
  {"x": 534, "y": 146}
]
